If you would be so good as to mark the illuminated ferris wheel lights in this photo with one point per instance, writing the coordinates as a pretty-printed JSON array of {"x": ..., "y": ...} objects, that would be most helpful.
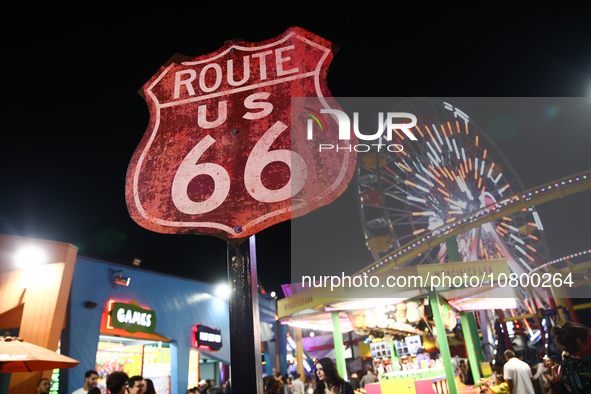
[
  {"x": 424, "y": 213},
  {"x": 416, "y": 199},
  {"x": 522, "y": 261},
  {"x": 402, "y": 166},
  {"x": 449, "y": 128},
  {"x": 443, "y": 192},
  {"x": 456, "y": 148},
  {"x": 517, "y": 239},
  {"x": 538, "y": 221},
  {"x": 510, "y": 227},
  {"x": 432, "y": 159},
  {"x": 532, "y": 237},
  {"x": 438, "y": 181},
  {"x": 417, "y": 186},
  {"x": 462, "y": 173},
  {"x": 428, "y": 182},
  {"x": 398, "y": 134},
  {"x": 420, "y": 132},
  {"x": 448, "y": 143},
  {"x": 433, "y": 150},
  {"x": 438, "y": 136},
  {"x": 502, "y": 230}
]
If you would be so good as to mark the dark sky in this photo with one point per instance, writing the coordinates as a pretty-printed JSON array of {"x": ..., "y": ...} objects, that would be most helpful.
[{"x": 72, "y": 117}]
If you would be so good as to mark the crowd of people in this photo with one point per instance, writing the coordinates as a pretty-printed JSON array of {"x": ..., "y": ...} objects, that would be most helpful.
[
  {"x": 571, "y": 374},
  {"x": 207, "y": 387},
  {"x": 327, "y": 380}
]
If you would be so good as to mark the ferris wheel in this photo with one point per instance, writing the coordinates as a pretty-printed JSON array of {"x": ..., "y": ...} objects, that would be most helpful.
[{"x": 453, "y": 168}]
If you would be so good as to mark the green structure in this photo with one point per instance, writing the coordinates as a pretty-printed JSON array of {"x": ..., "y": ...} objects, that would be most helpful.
[
  {"x": 443, "y": 344},
  {"x": 338, "y": 345}
]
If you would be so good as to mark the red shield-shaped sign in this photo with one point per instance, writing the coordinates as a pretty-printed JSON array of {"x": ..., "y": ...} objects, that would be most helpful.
[{"x": 219, "y": 155}]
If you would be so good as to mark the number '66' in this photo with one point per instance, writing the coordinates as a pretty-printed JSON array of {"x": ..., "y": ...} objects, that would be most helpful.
[{"x": 258, "y": 159}]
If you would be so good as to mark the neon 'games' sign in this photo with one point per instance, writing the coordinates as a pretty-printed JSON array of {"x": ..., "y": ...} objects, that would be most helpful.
[{"x": 133, "y": 318}]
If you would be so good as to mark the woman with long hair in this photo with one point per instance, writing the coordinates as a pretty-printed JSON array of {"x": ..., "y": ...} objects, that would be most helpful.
[
  {"x": 271, "y": 385},
  {"x": 149, "y": 386},
  {"x": 575, "y": 371},
  {"x": 328, "y": 380}
]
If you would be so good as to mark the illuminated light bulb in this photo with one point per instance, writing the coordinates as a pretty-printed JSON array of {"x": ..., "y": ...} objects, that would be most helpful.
[{"x": 30, "y": 256}]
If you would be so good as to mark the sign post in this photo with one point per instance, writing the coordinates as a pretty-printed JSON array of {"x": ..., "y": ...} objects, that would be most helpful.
[
  {"x": 244, "y": 318},
  {"x": 225, "y": 154}
]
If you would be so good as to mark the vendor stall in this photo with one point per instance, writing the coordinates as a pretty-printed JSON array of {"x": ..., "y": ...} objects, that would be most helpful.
[{"x": 402, "y": 329}]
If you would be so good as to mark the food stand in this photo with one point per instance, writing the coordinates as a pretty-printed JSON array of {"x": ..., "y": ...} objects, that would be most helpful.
[{"x": 409, "y": 312}]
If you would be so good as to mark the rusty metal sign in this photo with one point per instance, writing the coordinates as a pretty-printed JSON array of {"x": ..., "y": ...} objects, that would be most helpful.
[{"x": 219, "y": 154}]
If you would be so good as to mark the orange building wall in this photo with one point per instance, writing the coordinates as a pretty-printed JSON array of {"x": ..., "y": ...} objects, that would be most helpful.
[{"x": 41, "y": 292}]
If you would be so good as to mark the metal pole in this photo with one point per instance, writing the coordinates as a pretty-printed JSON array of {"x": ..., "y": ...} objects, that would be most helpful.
[
  {"x": 245, "y": 342},
  {"x": 351, "y": 346}
]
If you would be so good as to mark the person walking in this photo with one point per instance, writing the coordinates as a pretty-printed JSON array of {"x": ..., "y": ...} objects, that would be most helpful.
[
  {"x": 575, "y": 371},
  {"x": 369, "y": 377},
  {"x": 136, "y": 385},
  {"x": 328, "y": 379},
  {"x": 285, "y": 381},
  {"x": 149, "y": 387},
  {"x": 117, "y": 382},
  {"x": 272, "y": 385},
  {"x": 90, "y": 378},
  {"x": 227, "y": 387},
  {"x": 297, "y": 386},
  {"x": 354, "y": 380},
  {"x": 43, "y": 386},
  {"x": 517, "y": 374}
]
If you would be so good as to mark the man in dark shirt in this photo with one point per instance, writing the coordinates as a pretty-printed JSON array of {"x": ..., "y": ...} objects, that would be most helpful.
[{"x": 368, "y": 378}]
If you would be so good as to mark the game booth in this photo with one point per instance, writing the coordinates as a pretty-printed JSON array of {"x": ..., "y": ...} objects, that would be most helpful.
[{"x": 412, "y": 333}]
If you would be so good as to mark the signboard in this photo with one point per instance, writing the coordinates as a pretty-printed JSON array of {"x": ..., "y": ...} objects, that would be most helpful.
[
  {"x": 486, "y": 369},
  {"x": 133, "y": 318},
  {"x": 219, "y": 155},
  {"x": 207, "y": 337}
]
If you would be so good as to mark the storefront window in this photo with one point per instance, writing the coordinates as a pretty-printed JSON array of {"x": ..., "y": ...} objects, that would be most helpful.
[
  {"x": 193, "y": 369},
  {"x": 150, "y": 359}
]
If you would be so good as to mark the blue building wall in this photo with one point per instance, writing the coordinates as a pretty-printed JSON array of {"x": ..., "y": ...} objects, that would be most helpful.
[
  {"x": 267, "y": 312},
  {"x": 179, "y": 305}
]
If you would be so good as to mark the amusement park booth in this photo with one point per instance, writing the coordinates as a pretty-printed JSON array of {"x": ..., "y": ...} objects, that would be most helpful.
[{"x": 406, "y": 326}]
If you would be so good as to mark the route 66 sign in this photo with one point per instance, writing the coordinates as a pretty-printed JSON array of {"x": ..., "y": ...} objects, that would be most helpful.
[{"x": 219, "y": 153}]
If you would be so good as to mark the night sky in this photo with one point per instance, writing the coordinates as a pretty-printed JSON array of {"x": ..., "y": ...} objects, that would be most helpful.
[{"x": 72, "y": 117}]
